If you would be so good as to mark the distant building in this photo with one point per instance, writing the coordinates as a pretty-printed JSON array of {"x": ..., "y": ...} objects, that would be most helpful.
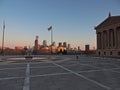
[
  {"x": 69, "y": 47},
  {"x": 54, "y": 49},
  {"x": 78, "y": 48},
  {"x": 18, "y": 48},
  {"x": 62, "y": 49},
  {"x": 44, "y": 43},
  {"x": 108, "y": 37},
  {"x": 60, "y": 44},
  {"x": 44, "y": 50},
  {"x": 37, "y": 46},
  {"x": 65, "y": 44},
  {"x": 87, "y": 47},
  {"x": 53, "y": 44}
]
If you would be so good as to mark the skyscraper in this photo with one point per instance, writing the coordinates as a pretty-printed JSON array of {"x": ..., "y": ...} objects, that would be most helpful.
[
  {"x": 69, "y": 47},
  {"x": 87, "y": 47},
  {"x": 44, "y": 43},
  {"x": 60, "y": 44},
  {"x": 36, "y": 43},
  {"x": 65, "y": 44},
  {"x": 53, "y": 44}
]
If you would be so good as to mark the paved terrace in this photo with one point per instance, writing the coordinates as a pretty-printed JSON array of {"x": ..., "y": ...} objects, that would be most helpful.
[{"x": 60, "y": 73}]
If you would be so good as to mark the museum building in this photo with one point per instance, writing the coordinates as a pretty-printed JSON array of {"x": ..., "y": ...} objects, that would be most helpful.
[{"x": 108, "y": 37}]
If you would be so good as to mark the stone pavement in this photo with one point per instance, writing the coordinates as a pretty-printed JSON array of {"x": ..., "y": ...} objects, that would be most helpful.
[{"x": 65, "y": 73}]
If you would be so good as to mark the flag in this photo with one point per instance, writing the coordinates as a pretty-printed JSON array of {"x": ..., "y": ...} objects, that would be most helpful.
[
  {"x": 50, "y": 28},
  {"x": 3, "y": 25}
]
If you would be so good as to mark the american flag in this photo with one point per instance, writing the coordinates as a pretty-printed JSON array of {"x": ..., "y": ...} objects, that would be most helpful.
[{"x": 50, "y": 28}]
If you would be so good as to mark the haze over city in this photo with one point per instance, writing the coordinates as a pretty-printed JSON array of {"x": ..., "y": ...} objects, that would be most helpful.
[{"x": 73, "y": 21}]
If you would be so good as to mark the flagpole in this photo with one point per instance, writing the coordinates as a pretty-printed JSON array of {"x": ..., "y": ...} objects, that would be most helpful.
[
  {"x": 3, "y": 39},
  {"x": 50, "y": 29},
  {"x": 51, "y": 39}
]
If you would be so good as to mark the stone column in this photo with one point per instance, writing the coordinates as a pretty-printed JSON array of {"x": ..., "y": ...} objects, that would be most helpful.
[
  {"x": 105, "y": 39},
  {"x": 118, "y": 38},
  {"x": 102, "y": 41},
  {"x": 99, "y": 40},
  {"x": 108, "y": 39},
  {"x": 112, "y": 38},
  {"x": 115, "y": 37}
]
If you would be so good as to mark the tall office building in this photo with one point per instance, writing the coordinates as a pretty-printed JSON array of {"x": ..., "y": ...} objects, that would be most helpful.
[
  {"x": 44, "y": 43},
  {"x": 69, "y": 46},
  {"x": 36, "y": 43},
  {"x": 60, "y": 44},
  {"x": 87, "y": 47},
  {"x": 65, "y": 44}
]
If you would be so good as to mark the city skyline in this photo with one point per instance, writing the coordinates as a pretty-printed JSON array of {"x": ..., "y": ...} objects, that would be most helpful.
[{"x": 73, "y": 21}]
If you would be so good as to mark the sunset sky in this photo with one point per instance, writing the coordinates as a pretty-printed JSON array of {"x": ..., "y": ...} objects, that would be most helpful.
[{"x": 73, "y": 21}]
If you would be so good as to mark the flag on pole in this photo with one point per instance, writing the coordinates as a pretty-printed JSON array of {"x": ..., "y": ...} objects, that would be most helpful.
[
  {"x": 50, "y": 28},
  {"x": 3, "y": 25}
]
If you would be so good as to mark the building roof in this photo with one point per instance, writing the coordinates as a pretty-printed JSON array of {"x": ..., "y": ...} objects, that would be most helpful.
[{"x": 109, "y": 21}]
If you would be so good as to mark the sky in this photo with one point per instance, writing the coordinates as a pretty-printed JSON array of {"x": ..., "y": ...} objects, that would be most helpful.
[{"x": 72, "y": 21}]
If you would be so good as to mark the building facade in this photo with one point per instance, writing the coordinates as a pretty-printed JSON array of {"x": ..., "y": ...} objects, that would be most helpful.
[
  {"x": 108, "y": 37},
  {"x": 44, "y": 43},
  {"x": 87, "y": 47}
]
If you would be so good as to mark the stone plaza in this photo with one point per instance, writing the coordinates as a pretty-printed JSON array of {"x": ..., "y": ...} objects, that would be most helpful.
[{"x": 60, "y": 73}]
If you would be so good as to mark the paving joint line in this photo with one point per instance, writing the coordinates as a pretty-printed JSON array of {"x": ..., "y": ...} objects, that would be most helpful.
[
  {"x": 53, "y": 74},
  {"x": 82, "y": 76},
  {"x": 12, "y": 68},
  {"x": 8, "y": 78},
  {"x": 27, "y": 78},
  {"x": 64, "y": 73},
  {"x": 91, "y": 66},
  {"x": 43, "y": 67}
]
